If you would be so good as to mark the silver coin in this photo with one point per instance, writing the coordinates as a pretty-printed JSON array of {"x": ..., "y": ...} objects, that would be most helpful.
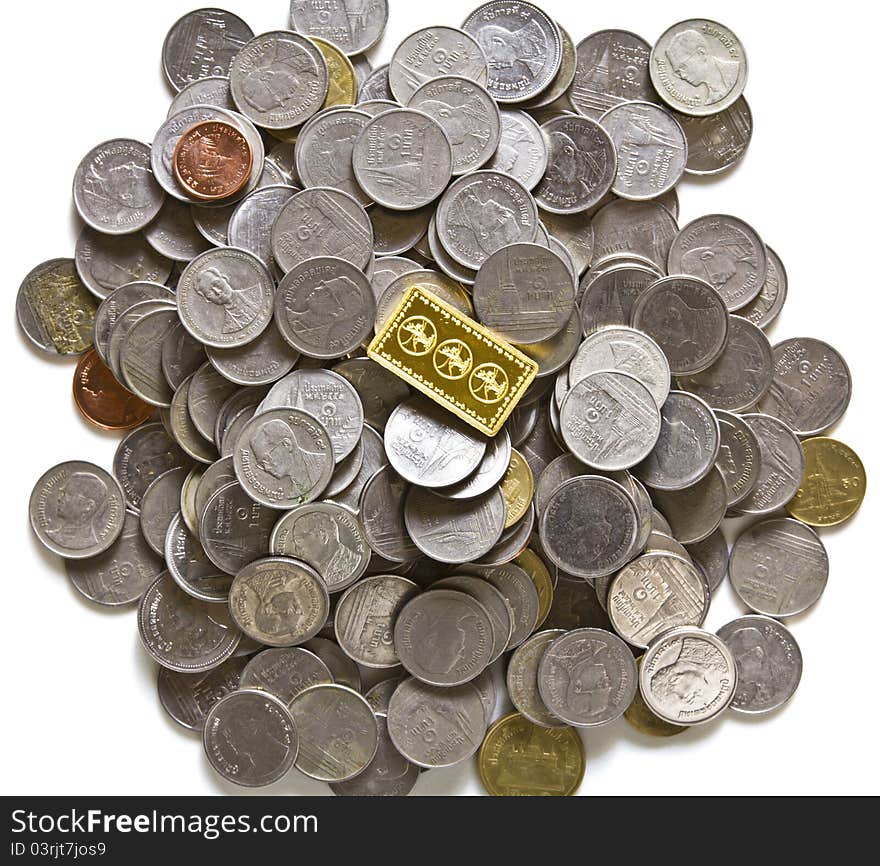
[
  {"x": 338, "y": 732},
  {"x": 382, "y": 516},
  {"x": 181, "y": 355},
  {"x": 436, "y": 727},
  {"x": 717, "y": 141},
  {"x": 430, "y": 447},
  {"x": 365, "y": 616},
  {"x": 524, "y": 292},
  {"x": 349, "y": 25},
  {"x": 443, "y": 637},
  {"x": 212, "y": 223},
  {"x": 114, "y": 190},
  {"x": 326, "y": 537},
  {"x": 466, "y": 113},
  {"x": 688, "y": 676},
  {"x": 513, "y": 541},
  {"x": 278, "y": 601},
  {"x": 763, "y": 310},
  {"x": 159, "y": 505},
  {"x": 697, "y": 511},
  {"x": 554, "y": 95},
  {"x": 379, "y": 389},
  {"x": 653, "y": 593},
  {"x": 208, "y": 393},
  {"x": 768, "y": 663},
  {"x": 742, "y": 374},
  {"x": 522, "y": 149},
  {"x": 522, "y": 45},
  {"x": 612, "y": 68},
  {"x": 121, "y": 573},
  {"x": 234, "y": 530},
  {"x": 190, "y": 567},
  {"x": 279, "y": 79},
  {"x": 321, "y": 222},
  {"x": 501, "y": 615},
  {"x": 445, "y": 288},
  {"x": 739, "y": 457},
  {"x": 250, "y": 738},
  {"x": 651, "y": 149},
  {"x": 698, "y": 67},
  {"x": 250, "y": 224},
  {"x": 212, "y": 90},
  {"x": 661, "y": 524},
  {"x": 283, "y": 458},
  {"x": 188, "y": 698},
  {"x": 324, "y": 307},
  {"x": 345, "y": 471},
  {"x": 811, "y": 386},
  {"x": 373, "y": 460},
  {"x": 233, "y": 429},
  {"x": 687, "y": 447},
  {"x": 575, "y": 233},
  {"x": 326, "y": 396},
  {"x": 214, "y": 477},
  {"x": 781, "y": 465},
  {"x": 284, "y": 672},
  {"x": 182, "y": 633},
  {"x": 186, "y": 435},
  {"x": 263, "y": 361},
  {"x": 119, "y": 333},
  {"x": 145, "y": 453},
  {"x": 540, "y": 447},
  {"x": 140, "y": 357},
  {"x": 362, "y": 68},
  {"x": 489, "y": 473},
  {"x": 431, "y": 53},
  {"x": 521, "y": 423},
  {"x": 380, "y": 694},
  {"x": 710, "y": 556},
  {"x": 778, "y": 567},
  {"x": 606, "y": 296},
  {"x": 576, "y": 605},
  {"x": 343, "y": 669},
  {"x": 581, "y": 165},
  {"x": 521, "y": 594},
  {"x": 561, "y": 469},
  {"x": 587, "y": 677},
  {"x": 106, "y": 262},
  {"x": 522, "y": 679},
  {"x": 173, "y": 233},
  {"x": 324, "y": 149},
  {"x": 402, "y": 159},
  {"x": 202, "y": 43},
  {"x": 553, "y": 354},
  {"x": 387, "y": 269},
  {"x": 454, "y": 531},
  {"x": 687, "y": 318},
  {"x": 376, "y": 86},
  {"x": 609, "y": 420},
  {"x": 225, "y": 297},
  {"x": 589, "y": 526},
  {"x": 396, "y": 232},
  {"x": 643, "y": 228},
  {"x": 116, "y": 303},
  {"x": 389, "y": 774}
]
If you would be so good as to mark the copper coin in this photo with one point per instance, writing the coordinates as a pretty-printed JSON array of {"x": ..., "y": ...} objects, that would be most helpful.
[
  {"x": 212, "y": 160},
  {"x": 102, "y": 400}
]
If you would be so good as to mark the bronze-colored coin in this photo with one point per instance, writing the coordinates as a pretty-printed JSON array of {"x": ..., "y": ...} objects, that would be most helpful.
[
  {"x": 102, "y": 400},
  {"x": 534, "y": 567},
  {"x": 644, "y": 720},
  {"x": 518, "y": 488},
  {"x": 212, "y": 160},
  {"x": 522, "y": 759},
  {"x": 834, "y": 483},
  {"x": 342, "y": 82}
]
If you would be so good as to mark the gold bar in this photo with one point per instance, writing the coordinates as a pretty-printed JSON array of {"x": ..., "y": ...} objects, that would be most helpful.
[{"x": 452, "y": 359}]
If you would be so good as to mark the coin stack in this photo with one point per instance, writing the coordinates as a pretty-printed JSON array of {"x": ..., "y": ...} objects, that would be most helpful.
[{"x": 331, "y": 557}]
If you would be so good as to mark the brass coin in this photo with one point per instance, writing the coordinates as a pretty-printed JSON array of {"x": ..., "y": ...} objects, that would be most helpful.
[
  {"x": 834, "y": 483},
  {"x": 521, "y": 759},
  {"x": 102, "y": 400},
  {"x": 518, "y": 487},
  {"x": 534, "y": 567},
  {"x": 342, "y": 86}
]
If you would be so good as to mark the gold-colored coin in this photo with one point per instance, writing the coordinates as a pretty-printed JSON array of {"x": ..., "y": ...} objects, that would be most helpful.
[
  {"x": 455, "y": 361},
  {"x": 521, "y": 759},
  {"x": 834, "y": 483},
  {"x": 518, "y": 487},
  {"x": 342, "y": 86},
  {"x": 643, "y": 719},
  {"x": 534, "y": 567}
]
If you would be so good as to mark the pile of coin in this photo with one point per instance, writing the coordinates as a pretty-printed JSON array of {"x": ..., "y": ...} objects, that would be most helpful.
[{"x": 333, "y": 552}]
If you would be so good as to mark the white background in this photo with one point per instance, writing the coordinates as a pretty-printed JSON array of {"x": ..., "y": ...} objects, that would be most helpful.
[{"x": 80, "y": 712}]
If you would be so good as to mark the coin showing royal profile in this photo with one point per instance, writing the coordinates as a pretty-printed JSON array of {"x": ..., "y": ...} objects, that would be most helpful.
[
  {"x": 188, "y": 698},
  {"x": 779, "y": 567},
  {"x": 324, "y": 307},
  {"x": 279, "y": 601},
  {"x": 581, "y": 165},
  {"x": 698, "y": 67},
  {"x": 225, "y": 297},
  {"x": 365, "y": 616},
  {"x": 688, "y": 676},
  {"x": 443, "y": 637},
  {"x": 183, "y": 633},
  {"x": 250, "y": 738},
  {"x": 501, "y": 614},
  {"x": 436, "y": 727},
  {"x": 653, "y": 593},
  {"x": 833, "y": 485},
  {"x": 77, "y": 509},
  {"x": 768, "y": 663},
  {"x": 609, "y": 421},
  {"x": 338, "y": 733},
  {"x": 284, "y": 672},
  {"x": 327, "y": 537},
  {"x": 587, "y": 677}
]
